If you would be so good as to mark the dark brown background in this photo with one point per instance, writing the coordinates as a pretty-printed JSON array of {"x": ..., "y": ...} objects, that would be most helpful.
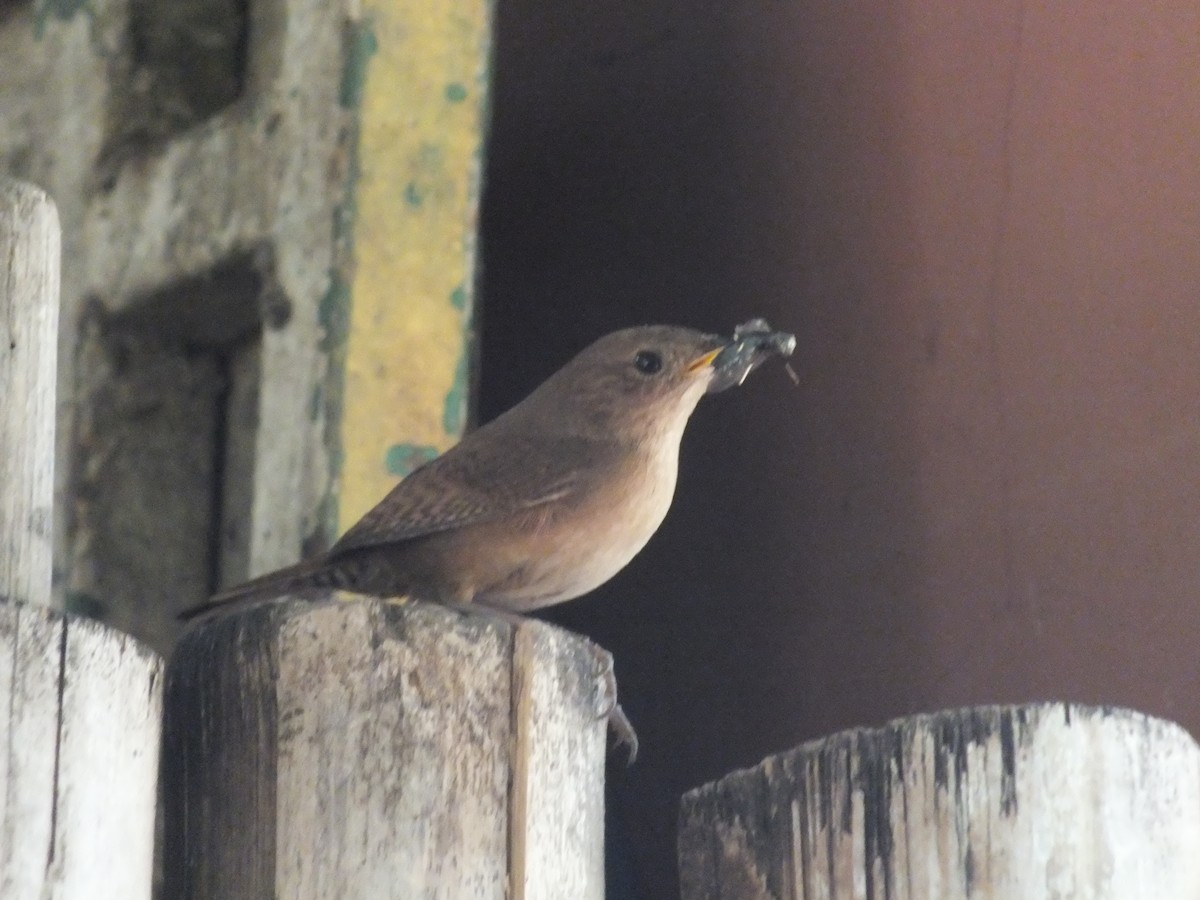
[{"x": 983, "y": 223}]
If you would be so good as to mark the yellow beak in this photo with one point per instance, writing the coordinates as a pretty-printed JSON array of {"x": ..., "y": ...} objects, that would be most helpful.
[{"x": 703, "y": 362}]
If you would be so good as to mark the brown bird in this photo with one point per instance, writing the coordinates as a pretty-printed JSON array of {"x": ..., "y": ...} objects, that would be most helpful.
[{"x": 549, "y": 500}]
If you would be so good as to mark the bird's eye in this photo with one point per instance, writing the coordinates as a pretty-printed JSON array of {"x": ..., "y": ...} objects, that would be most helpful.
[{"x": 648, "y": 362}]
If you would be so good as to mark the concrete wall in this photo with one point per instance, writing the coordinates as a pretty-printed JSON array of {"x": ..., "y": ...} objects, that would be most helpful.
[
  {"x": 261, "y": 202},
  {"x": 981, "y": 220},
  {"x": 197, "y": 193}
]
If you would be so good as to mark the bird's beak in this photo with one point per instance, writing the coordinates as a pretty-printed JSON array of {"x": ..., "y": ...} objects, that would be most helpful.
[
  {"x": 753, "y": 343},
  {"x": 700, "y": 363}
]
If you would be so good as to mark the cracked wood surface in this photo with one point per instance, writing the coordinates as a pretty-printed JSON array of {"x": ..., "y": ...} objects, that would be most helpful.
[
  {"x": 366, "y": 749},
  {"x": 999, "y": 802},
  {"x": 78, "y": 758}
]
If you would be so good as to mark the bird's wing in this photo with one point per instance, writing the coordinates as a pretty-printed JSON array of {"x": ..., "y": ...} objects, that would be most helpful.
[{"x": 481, "y": 481}]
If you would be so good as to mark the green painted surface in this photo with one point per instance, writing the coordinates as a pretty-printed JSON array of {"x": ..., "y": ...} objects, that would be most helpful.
[
  {"x": 333, "y": 313},
  {"x": 456, "y": 92},
  {"x": 431, "y": 159},
  {"x": 362, "y": 46},
  {"x": 403, "y": 459},
  {"x": 334, "y": 316},
  {"x": 458, "y": 297},
  {"x": 413, "y": 195},
  {"x": 454, "y": 416}
]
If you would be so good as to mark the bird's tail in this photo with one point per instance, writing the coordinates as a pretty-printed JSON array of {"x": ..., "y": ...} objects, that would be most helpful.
[{"x": 301, "y": 576}]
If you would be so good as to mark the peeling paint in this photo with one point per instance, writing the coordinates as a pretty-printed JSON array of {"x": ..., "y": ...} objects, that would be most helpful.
[
  {"x": 454, "y": 414},
  {"x": 362, "y": 45},
  {"x": 404, "y": 459},
  {"x": 334, "y": 316},
  {"x": 421, "y": 127},
  {"x": 334, "y": 312}
]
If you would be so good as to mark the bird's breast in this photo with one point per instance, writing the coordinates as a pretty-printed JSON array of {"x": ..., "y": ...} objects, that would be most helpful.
[{"x": 577, "y": 545}]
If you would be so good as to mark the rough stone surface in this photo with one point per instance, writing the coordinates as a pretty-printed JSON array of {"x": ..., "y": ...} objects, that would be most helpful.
[{"x": 183, "y": 209}]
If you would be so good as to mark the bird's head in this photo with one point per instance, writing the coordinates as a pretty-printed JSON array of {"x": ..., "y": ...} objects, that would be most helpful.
[{"x": 648, "y": 380}]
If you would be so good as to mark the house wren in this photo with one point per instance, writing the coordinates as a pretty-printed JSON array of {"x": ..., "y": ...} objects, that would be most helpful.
[{"x": 549, "y": 500}]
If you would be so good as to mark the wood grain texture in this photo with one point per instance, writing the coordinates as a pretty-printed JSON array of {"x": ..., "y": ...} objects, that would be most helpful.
[
  {"x": 392, "y": 764},
  {"x": 80, "y": 761},
  {"x": 220, "y": 737},
  {"x": 557, "y": 795},
  {"x": 1051, "y": 800},
  {"x": 29, "y": 282},
  {"x": 363, "y": 749}
]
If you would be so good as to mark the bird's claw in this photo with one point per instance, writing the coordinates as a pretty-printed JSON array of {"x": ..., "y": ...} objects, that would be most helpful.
[
  {"x": 623, "y": 732},
  {"x": 610, "y": 709}
]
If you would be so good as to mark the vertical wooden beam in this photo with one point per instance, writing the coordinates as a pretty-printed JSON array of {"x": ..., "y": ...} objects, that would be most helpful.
[
  {"x": 362, "y": 749},
  {"x": 78, "y": 773},
  {"x": 1007, "y": 803},
  {"x": 557, "y": 796},
  {"x": 421, "y": 97},
  {"x": 29, "y": 280},
  {"x": 82, "y": 702}
]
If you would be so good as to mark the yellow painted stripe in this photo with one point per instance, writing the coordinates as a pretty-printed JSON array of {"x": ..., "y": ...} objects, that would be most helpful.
[{"x": 423, "y": 106}]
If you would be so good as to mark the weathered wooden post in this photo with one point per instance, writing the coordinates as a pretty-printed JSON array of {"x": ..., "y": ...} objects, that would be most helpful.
[
  {"x": 81, "y": 702},
  {"x": 363, "y": 749},
  {"x": 77, "y": 782},
  {"x": 29, "y": 276},
  {"x": 1005, "y": 803}
]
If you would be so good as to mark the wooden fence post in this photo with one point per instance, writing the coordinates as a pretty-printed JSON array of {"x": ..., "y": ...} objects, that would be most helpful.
[
  {"x": 82, "y": 702},
  {"x": 78, "y": 779},
  {"x": 1004, "y": 803},
  {"x": 29, "y": 275},
  {"x": 363, "y": 749}
]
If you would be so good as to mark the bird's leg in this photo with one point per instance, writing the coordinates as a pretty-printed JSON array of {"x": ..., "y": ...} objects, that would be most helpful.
[
  {"x": 622, "y": 728},
  {"x": 623, "y": 732}
]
